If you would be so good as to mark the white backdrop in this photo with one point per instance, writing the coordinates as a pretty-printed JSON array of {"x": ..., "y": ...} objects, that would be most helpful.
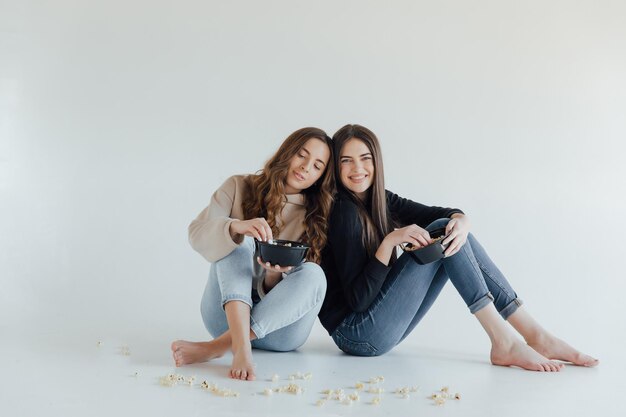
[{"x": 118, "y": 119}]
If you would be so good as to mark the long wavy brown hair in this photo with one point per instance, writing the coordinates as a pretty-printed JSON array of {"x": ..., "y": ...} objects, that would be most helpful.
[
  {"x": 373, "y": 213},
  {"x": 266, "y": 191}
]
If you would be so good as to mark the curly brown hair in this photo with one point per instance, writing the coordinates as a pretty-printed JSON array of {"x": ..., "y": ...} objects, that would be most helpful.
[{"x": 266, "y": 191}]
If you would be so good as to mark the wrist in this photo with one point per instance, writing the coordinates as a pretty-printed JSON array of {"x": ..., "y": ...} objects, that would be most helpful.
[{"x": 271, "y": 279}]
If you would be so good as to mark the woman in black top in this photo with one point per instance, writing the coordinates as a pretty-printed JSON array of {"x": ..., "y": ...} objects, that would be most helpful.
[{"x": 374, "y": 299}]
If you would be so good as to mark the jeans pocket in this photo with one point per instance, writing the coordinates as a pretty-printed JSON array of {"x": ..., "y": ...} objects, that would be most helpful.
[{"x": 351, "y": 347}]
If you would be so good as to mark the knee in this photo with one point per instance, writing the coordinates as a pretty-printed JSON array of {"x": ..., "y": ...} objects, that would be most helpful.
[
  {"x": 438, "y": 224},
  {"x": 314, "y": 278}
]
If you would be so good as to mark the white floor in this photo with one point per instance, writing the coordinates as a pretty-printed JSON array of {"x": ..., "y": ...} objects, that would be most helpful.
[{"x": 69, "y": 374}]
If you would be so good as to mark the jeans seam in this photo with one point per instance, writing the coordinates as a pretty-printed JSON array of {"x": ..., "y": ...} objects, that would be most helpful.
[
  {"x": 493, "y": 280},
  {"x": 477, "y": 268}
]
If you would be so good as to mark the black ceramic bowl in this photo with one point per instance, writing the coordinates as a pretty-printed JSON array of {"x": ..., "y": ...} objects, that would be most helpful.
[
  {"x": 282, "y": 252},
  {"x": 429, "y": 253}
]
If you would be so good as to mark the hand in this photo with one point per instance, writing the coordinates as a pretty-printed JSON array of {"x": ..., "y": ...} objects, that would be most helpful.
[
  {"x": 273, "y": 274},
  {"x": 412, "y": 234},
  {"x": 273, "y": 268},
  {"x": 456, "y": 231},
  {"x": 256, "y": 228}
]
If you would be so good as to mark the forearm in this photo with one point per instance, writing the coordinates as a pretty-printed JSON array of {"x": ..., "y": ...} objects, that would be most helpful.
[
  {"x": 271, "y": 280},
  {"x": 383, "y": 254}
]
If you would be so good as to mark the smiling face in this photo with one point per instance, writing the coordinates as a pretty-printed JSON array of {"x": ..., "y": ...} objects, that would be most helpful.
[
  {"x": 307, "y": 166},
  {"x": 356, "y": 167}
]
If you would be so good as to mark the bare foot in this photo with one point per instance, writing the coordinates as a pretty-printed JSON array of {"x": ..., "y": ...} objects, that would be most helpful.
[
  {"x": 517, "y": 353},
  {"x": 186, "y": 353},
  {"x": 554, "y": 348},
  {"x": 242, "y": 367}
]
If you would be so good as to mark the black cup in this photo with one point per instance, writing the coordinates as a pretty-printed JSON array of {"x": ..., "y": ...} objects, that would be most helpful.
[
  {"x": 277, "y": 253},
  {"x": 432, "y": 252}
]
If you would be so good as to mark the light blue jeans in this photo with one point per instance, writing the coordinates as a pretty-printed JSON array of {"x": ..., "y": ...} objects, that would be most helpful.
[
  {"x": 410, "y": 290},
  {"x": 283, "y": 319}
]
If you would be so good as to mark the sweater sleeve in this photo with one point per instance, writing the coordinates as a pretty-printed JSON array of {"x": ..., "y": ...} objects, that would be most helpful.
[
  {"x": 405, "y": 211},
  {"x": 361, "y": 277},
  {"x": 209, "y": 233}
]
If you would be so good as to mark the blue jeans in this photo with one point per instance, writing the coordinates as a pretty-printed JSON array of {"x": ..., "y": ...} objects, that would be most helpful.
[
  {"x": 410, "y": 290},
  {"x": 283, "y": 319}
]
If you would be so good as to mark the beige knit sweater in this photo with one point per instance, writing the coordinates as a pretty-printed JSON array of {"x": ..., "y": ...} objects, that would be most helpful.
[{"x": 209, "y": 233}]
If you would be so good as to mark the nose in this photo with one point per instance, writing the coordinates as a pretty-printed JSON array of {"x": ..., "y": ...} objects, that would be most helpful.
[{"x": 305, "y": 167}]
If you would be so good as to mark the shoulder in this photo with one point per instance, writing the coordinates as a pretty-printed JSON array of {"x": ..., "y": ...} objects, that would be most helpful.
[
  {"x": 393, "y": 199},
  {"x": 235, "y": 182}
]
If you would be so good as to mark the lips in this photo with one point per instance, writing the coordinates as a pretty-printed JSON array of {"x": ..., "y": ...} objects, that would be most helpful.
[
  {"x": 298, "y": 176},
  {"x": 357, "y": 179}
]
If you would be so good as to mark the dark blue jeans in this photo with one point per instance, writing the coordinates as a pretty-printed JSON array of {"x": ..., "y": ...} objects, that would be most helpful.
[{"x": 410, "y": 290}]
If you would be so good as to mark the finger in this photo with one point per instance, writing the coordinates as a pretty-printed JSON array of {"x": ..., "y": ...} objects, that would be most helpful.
[
  {"x": 277, "y": 267},
  {"x": 422, "y": 240},
  {"x": 450, "y": 226},
  {"x": 261, "y": 231},
  {"x": 413, "y": 241},
  {"x": 451, "y": 249},
  {"x": 267, "y": 229},
  {"x": 253, "y": 233},
  {"x": 451, "y": 236}
]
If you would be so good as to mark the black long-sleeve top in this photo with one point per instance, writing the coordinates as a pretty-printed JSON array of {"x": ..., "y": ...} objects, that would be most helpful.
[{"x": 354, "y": 278}]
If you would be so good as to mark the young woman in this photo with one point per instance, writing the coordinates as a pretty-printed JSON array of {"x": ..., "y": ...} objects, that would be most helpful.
[
  {"x": 247, "y": 302},
  {"x": 374, "y": 300}
]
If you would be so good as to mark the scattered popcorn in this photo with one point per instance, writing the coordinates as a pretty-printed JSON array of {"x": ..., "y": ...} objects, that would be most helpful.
[
  {"x": 376, "y": 390},
  {"x": 307, "y": 376},
  {"x": 359, "y": 386},
  {"x": 376, "y": 401},
  {"x": 347, "y": 401},
  {"x": 443, "y": 395},
  {"x": 320, "y": 403},
  {"x": 267, "y": 392},
  {"x": 125, "y": 350},
  {"x": 99, "y": 343},
  {"x": 406, "y": 396},
  {"x": 136, "y": 374},
  {"x": 354, "y": 397},
  {"x": 275, "y": 378}
]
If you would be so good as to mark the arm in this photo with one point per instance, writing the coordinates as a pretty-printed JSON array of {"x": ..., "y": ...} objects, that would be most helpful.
[
  {"x": 405, "y": 211},
  {"x": 209, "y": 233}
]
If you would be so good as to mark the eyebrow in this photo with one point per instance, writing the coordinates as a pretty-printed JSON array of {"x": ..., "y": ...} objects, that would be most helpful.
[
  {"x": 360, "y": 156},
  {"x": 318, "y": 160}
]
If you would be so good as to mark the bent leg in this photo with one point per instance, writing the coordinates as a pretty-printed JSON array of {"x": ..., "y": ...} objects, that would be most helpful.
[
  {"x": 291, "y": 306},
  {"x": 387, "y": 320}
]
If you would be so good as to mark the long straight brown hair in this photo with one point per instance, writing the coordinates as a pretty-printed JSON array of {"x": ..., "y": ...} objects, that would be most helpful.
[
  {"x": 266, "y": 191},
  {"x": 373, "y": 212}
]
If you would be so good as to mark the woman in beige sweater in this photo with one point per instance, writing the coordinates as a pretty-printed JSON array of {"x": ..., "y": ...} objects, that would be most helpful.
[{"x": 247, "y": 302}]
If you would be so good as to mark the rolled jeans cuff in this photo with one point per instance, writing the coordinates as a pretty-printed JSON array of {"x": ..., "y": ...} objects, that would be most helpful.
[
  {"x": 254, "y": 326},
  {"x": 511, "y": 308},
  {"x": 237, "y": 297},
  {"x": 482, "y": 302}
]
